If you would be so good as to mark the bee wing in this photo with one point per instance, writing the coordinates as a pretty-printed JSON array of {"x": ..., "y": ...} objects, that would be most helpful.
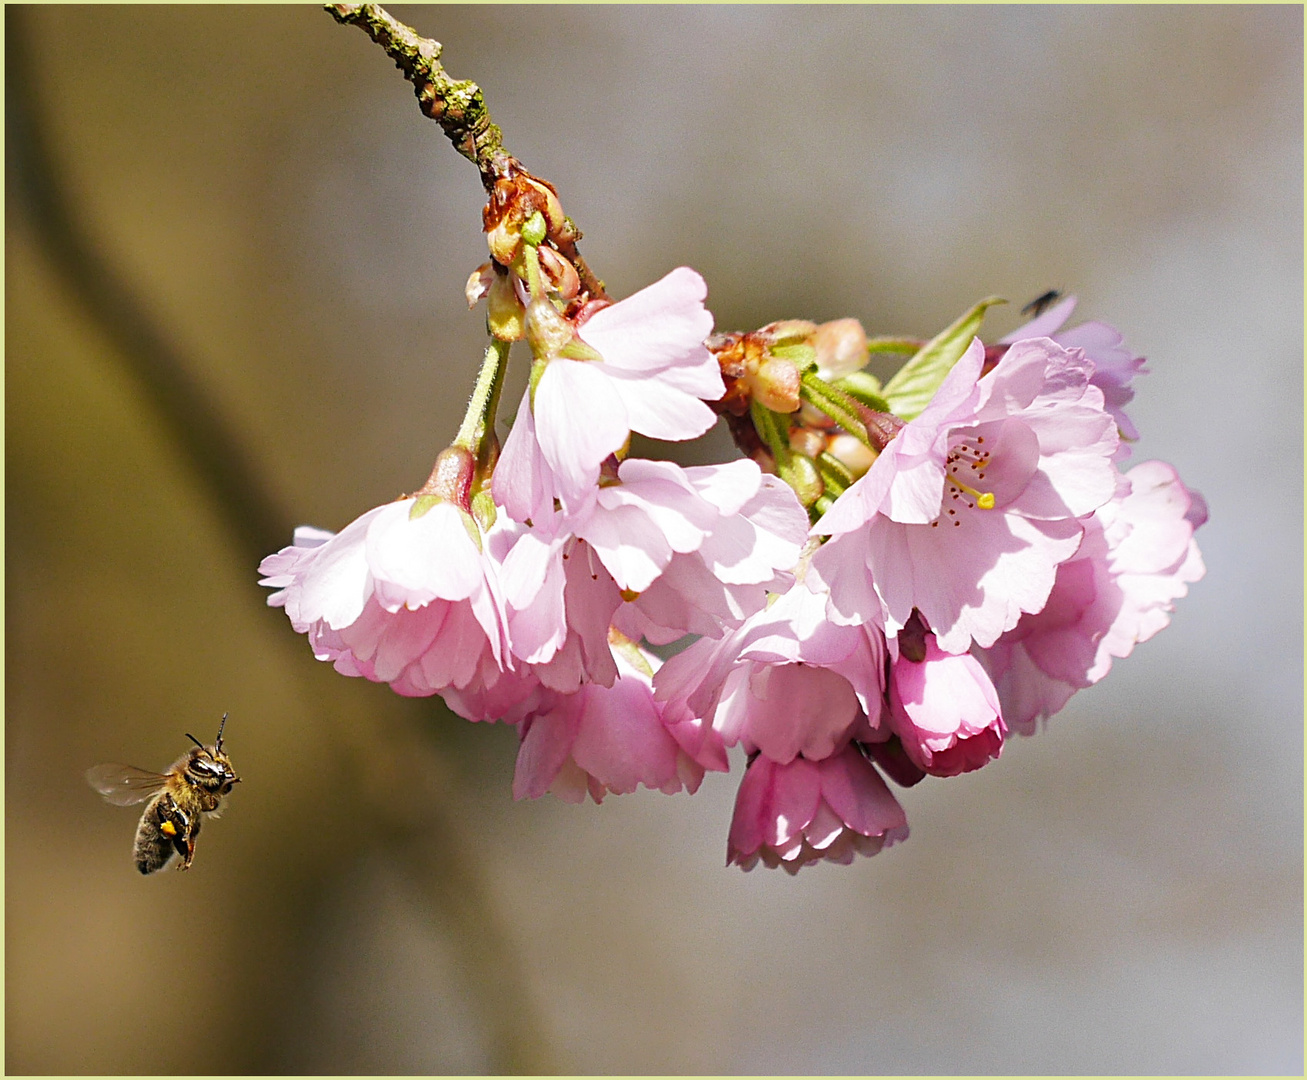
[{"x": 125, "y": 785}]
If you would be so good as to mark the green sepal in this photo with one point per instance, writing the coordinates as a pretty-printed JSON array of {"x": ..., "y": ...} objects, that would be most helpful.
[
  {"x": 630, "y": 651},
  {"x": 471, "y": 526},
  {"x": 835, "y": 474},
  {"x": 915, "y": 383},
  {"x": 819, "y": 508},
  {"x": 863, "y": 386},
  {"x": 576, "y": 349},
  {"x": 801, "y": 473},
  {"x": 800, "y": 354},
  {"x": 422, "y": 504},
  {"x": 537, "y": 370},
  {"x": 483, "y": 509}
]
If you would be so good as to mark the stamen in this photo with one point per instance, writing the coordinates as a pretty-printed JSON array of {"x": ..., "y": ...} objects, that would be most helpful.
[{"x": 977, "y": 461}]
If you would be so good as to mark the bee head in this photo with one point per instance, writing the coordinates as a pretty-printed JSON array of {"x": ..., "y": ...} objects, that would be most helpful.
[{"x": 209, "y": 767}]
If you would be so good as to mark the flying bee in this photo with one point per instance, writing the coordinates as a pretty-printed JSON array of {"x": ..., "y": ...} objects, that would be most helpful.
[
  {"x": 192, "y": 789},
  {"x": 1042, "y": 303}
]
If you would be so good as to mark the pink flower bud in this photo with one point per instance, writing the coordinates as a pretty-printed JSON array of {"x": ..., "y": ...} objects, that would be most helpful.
[
  {"x": 841, "y": 348},
  {"x": 946, "y": 712},
  {"x": 560, "y": 273},
  {"x": 851, "y": 452},
  {"x": 775, "y": 384},
  {"x": 546, "y": 330}
]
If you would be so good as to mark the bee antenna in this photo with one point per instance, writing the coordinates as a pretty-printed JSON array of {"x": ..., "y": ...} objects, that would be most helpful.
[
  {"x": 222, "y": 724},
  {"x": 195, "y": 740}
]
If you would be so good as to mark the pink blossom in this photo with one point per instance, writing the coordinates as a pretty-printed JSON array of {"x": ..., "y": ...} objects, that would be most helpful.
[
  {"x": 967, "y": 513},
  {"x": 655, "y": 374},
  {"x": 406, "y": 601},
  {"x": 1115, "y": 366},
  {"x": 801, "y": 812},
  {"x": 753, "y": 540},
  {"x": 602, "y": 740},
  {"x": 660, "y": 551},
  {"x": 559, "y": 603},
  {"x": 945, "y": 711},
  {"x": 788, "y": 681},
  {"x": 1138, "y": 557}
]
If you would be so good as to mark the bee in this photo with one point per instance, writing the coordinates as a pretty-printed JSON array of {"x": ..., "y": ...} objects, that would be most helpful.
[
  {"x": 1042, "y": 303},
  {"x": 192, "y": 789}
]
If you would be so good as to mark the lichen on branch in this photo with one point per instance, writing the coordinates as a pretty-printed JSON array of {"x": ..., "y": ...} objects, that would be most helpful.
[{"x": 456, "y": 105}]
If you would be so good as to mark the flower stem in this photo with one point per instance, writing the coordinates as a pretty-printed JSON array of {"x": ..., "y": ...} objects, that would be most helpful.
[
  {"x": 834, "y": 403},
  {"x": 479, "y": 420}
]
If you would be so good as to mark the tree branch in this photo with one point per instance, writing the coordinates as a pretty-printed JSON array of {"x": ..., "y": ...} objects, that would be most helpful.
[
  {"x": 460, "y": 110},
  {"x": 457, "y": 107}
]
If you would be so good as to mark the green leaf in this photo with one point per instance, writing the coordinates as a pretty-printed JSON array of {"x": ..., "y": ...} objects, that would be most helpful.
[
  {"x": 915, "y": 383},
  {"x": 865, "y": 387}
]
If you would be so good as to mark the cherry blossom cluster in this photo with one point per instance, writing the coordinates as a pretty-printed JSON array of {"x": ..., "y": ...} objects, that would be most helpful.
[{"x": 888, "y": 581}]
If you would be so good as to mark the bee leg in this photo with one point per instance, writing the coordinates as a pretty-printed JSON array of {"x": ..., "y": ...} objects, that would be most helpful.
[
  {"x": 185, "y": 842},
  {"x": 176, "y": 826}
]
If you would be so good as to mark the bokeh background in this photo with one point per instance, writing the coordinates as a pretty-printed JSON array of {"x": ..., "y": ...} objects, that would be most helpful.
[{"x": 235, "y": 255}]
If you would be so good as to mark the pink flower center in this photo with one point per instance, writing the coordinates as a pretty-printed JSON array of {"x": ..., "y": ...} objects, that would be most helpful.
[
  {"x": 987, "y": 466},
  {"x": 965, "y": 468}
]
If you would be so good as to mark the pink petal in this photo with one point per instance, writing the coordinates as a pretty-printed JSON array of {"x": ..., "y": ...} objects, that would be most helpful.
[
  {"x": 663, "y": 325},
  {"x": 545, "y": 746},
  {"x": 580, "y": 419},
  {"x": 416, "y": 560},
  {"x": 522, "y": 483}
]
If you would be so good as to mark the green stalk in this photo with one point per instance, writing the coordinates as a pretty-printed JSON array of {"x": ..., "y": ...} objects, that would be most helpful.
[
  {"x": 479, "y": 420},
  {"x": 834, "y": 403}
]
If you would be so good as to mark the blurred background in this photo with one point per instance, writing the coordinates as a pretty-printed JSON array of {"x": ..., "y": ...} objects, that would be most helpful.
[{"x": 235, "y": 256}]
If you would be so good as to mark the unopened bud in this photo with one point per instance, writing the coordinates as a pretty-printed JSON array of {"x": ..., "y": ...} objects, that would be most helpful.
[
  {"x": 546, "y": 330},
  {"x": 505, "y": 315},
  {"x": 807, "y": 442},
  {"x": 787, "y": 331},
  {"x": 478, "y": 283},
  {"x": 505, "y": 241},
  {"x": 775, "y": 384},
  {"x": 841, "y": 348},
  {"x": 560, "y": 273},
  {"x": 852, "y": 453}
]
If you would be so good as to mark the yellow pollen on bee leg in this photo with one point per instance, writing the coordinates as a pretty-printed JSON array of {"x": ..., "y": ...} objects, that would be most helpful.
[{"x": 168, "y": 829}]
